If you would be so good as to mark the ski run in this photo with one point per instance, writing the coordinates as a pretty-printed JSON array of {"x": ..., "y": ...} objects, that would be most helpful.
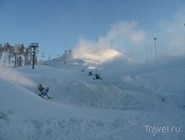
[{"x": 130, "y": 102}]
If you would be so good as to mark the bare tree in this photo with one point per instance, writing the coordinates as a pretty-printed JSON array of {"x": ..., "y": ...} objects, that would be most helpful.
[
  {"x": 66, "y": 56},
  {"x": 9, "y": 50},
  {"x": 21, "y": 49},
  {"x": 18, "y": 54},
  {"x": 27, "y": 56},
  {"x": 1, "y": 51}
]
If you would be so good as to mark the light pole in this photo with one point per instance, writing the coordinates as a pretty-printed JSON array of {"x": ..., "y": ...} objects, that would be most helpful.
[
  {"x": 111, "y": 44},
  {"x": 155, "y": 39},
  {"x": 34, "y": 46},
  {"x": 146, "y": 53},
  {"x": 184, "y": 24}
]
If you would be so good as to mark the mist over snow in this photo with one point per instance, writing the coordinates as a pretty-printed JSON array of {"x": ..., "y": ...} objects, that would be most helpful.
[
  {"x": 11, "y": 74},
  {"x": 136, "y": 43},
  {"x": 115, "y": 43},
  {"x": 172, "y": 35},
  {"x": 95, "y": 51}
]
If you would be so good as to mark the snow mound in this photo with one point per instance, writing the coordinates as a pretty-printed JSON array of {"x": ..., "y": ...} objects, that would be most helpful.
[{"x": 95, "y": 55}]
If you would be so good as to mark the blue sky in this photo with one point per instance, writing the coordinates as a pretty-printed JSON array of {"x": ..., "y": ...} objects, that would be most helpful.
[{"x": 60, "y": 24}]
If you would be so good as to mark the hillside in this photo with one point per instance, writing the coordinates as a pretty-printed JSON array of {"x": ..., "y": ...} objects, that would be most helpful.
[{"x": 131, "y": 101}]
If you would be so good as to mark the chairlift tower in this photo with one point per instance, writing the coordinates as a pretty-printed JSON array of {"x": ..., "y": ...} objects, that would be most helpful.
[{"x": 34, "y": 47}]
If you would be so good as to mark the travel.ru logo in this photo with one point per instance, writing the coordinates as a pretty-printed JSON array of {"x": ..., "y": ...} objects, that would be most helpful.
[{"x": 154, "y": 130}]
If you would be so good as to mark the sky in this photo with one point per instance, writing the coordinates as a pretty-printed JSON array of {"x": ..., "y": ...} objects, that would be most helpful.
[{"x": 128, "y": 26}]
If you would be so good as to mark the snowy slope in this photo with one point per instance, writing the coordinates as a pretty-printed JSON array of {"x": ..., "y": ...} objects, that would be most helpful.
[{"x": 131, "y": 102}]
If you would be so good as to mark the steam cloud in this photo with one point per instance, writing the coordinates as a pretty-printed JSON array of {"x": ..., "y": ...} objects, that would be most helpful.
[
  {"x": 124, "y": 37},
  {"x": 131, "y": 40}
]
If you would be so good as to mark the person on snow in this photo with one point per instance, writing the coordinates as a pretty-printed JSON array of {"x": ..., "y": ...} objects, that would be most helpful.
[
  {"x": 43, "y": 90},
  {"x": 90, "y": 73},
  {"x": 97, "y": 77},
  {"x": 40, "y": 89}
]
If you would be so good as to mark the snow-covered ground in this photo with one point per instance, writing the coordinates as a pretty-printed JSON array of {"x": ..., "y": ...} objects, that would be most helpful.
[{"x": 132, "y": 101}]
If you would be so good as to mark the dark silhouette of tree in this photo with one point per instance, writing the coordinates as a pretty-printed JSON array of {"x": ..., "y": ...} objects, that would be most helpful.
[
  {"x": 17, "y": 54},
  {"x": 8, "y": 52},
  {"x": 28, "y": 56},
  {"x": 1, "y": 51},
  {"x": 21, "y": 49},
  {"x": 66, "y": 56}
]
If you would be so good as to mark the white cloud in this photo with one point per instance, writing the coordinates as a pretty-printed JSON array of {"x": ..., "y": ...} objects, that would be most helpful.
[
  {"x": 172, "y": 35},
  {"x": 128, "y": 32},
  {"x": 94, "y": 50},
  {"x": 130, "y": 39},
  {"x": 124, "y": 36}
]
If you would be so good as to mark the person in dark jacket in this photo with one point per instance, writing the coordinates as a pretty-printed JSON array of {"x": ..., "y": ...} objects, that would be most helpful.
[
  {"x": 43, "y": 91},
  {"x": 40, "y": 89}
]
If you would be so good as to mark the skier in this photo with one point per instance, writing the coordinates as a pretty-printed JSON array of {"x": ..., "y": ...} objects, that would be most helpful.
[
  {"x": 43, "y": 91},
  {"x": 97, "y": 77},
  {"x": 40, "y": 89},
  {"x": 90, "y": 73}
]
